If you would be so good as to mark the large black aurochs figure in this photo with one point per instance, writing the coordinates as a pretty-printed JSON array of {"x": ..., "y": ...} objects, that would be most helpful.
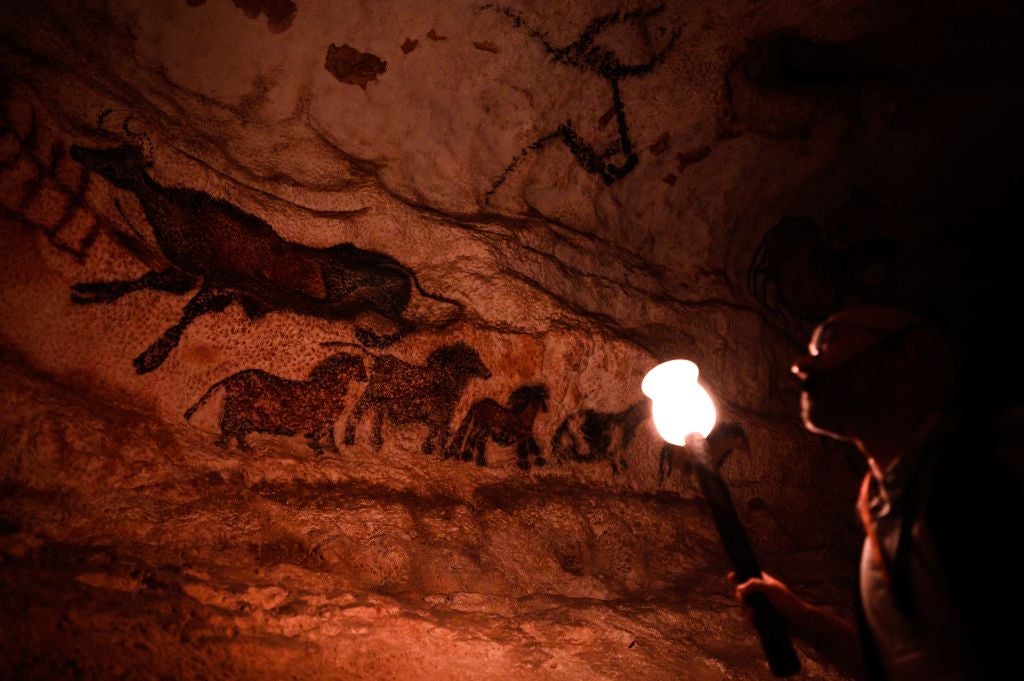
[
  {"x": 584, "y": 54},
  {"x": 231, "y": 255}
]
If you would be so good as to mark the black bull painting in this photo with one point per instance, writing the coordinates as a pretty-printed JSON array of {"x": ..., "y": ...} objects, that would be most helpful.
[{"x": 233, "y": 256}]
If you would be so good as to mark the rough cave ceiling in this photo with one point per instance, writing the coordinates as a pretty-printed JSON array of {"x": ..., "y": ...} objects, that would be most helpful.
[{"x": 323, "y": 323}]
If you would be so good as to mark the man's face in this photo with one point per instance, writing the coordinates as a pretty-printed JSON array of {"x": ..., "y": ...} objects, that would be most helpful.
[{"x": 847, "y": 366}]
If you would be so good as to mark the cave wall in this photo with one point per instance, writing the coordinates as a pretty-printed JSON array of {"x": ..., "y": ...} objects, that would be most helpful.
[{"x": 323, "y": 324}]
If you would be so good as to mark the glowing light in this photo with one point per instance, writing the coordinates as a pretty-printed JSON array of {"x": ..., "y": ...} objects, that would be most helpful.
[{"x": 681, "y": 406}]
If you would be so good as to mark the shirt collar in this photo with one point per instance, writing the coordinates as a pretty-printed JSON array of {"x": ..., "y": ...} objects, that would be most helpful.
[{"x": 890, "y": 482}]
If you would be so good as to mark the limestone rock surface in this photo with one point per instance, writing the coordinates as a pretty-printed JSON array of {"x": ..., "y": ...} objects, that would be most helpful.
[{"x": 322, "y": 324}]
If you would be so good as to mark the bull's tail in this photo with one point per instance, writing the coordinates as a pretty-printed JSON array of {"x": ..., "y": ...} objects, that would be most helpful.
[
  {"x": 206, "y": 396},
  {"x": 460, "y": 308}
]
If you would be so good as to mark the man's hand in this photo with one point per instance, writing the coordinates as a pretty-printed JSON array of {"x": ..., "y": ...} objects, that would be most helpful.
[
  {"x": 832, "y": 636},
  {"x": 794, "y": 610}
]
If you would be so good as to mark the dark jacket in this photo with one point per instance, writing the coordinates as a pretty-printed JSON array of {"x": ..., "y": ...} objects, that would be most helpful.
[{"x": 975, "y": 518}]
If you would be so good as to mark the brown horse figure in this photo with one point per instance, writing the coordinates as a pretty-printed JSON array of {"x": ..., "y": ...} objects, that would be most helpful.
[
  {"x": 411, "y": 393},
  {"x": 511, "y": 425},
  {"x": 259, "y": 402}
]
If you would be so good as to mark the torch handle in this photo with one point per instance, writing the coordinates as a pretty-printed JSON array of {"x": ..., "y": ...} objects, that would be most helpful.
[{"x": 771, "y": 628}]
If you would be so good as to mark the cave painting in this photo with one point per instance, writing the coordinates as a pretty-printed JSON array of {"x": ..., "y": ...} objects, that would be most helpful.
[
  {"x": 410, "y": 393},
  {"x": 801, "y": 280},
  {"x": 36, "y": 175},
  {"x": 349, "y": 65},
  {"x": 280, "y": 13},
  {"x": 590, "y": 436},
  {"x": 587, "y": 54},
  {"x": 511, "y": 425},
  {"x": 259, "y": 402},
  {"x": 231, "y": 255}
]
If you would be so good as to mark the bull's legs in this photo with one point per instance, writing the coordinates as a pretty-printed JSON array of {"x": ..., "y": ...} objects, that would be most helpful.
[
  {"x": 526, "y": 448},
  {"x": 480, "y": 444},
  {"x": 534, "y": 449},
  {"x": 457, "y": 444},
  {"x": 329, "y": 435},
  {"x": 207, "y": 300},
  {"x": 523, "y": 455},
  {"x": 354, "y": 420},
  {"x": 232, "y": 425},
  {"x": 172, "y": 281},
  {"x": 435, "y": 439},
  {"x": 322, "y": 434},
  {"x": 378, "y": 423}
]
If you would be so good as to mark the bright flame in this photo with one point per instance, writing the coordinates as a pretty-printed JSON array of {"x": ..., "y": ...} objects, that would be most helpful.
[{"x": 681, "y": 405}]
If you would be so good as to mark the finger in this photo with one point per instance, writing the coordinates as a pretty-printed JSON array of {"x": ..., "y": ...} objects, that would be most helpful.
[{"x": 752, "y": 586}]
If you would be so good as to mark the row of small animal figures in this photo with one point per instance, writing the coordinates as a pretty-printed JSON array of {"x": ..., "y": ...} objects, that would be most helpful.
[{"x": 256, "y": 401}]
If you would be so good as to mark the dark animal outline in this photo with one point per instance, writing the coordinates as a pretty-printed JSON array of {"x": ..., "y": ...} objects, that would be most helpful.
[
  {"x": 337, "y": 282},
  {"x": 503, "y": 425},
  {"x": 434, "y": 388},
  {"x": 809, "y": 278},
  {"x": 584, "y": 54},
  {"x": 334, "y": 372},
  {"x": 596, "y": 429}
]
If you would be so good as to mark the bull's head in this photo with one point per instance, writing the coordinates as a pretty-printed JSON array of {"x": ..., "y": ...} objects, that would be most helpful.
[{"x": 122, "y": 166}]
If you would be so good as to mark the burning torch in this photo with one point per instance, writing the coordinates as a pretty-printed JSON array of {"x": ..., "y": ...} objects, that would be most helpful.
[{"x": 684, "y": 416}]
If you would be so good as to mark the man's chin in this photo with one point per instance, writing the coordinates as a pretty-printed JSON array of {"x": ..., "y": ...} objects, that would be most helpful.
[{"x": 814, "y": 422}]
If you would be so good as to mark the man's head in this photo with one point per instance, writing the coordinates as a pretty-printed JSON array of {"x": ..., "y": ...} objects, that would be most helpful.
[{"x": 872, "y": 369}]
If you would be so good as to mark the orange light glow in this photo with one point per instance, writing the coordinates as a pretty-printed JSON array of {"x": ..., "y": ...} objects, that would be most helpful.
[{"x": 681, "y": 406}]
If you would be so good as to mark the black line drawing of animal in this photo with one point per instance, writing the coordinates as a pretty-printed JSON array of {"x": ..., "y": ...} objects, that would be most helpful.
[
  {"x": 809, "y": 279},
  {"x": 586, "y": 54},
  {"x": 511, "y": 425},
  {"x": 587, "y": 436},
  {"x": 256, "y": 401},
  {"x": 231, "y": 255},
  {"x": 413, "y": 393}
]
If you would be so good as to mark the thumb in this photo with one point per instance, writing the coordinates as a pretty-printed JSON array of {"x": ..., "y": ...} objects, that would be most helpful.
[{"x": 753, "y": 586}]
